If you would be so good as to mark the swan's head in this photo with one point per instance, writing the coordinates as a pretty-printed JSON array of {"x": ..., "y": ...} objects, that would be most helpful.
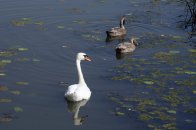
[{"x": 83, "y": 56}]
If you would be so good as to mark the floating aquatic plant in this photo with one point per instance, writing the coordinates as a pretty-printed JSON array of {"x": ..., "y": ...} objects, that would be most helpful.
[
  {"x": 18, "y": 109},
  {"x": 26, "y": 21},
  {"x": 163, "y": 81},
  {"x": 22, "y": 83}
]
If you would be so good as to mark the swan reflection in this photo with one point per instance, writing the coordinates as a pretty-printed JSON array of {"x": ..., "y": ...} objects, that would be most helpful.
[{"x": 74, "y": 108}]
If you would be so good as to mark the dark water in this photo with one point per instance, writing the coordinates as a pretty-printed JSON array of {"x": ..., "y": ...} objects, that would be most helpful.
[{"x": 47, "y": 34}]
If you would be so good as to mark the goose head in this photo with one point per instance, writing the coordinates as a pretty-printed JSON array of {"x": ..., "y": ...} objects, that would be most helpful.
[
  {"x": 83, "y": 56},
  {"x": 134, "y": 41}
]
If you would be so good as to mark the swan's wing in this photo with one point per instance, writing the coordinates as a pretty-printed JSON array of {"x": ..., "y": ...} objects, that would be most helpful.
[
  {"x": 71, "y": 89},
  {"x": 83, "y": 92},
  {"x": 77, "y": 93}
]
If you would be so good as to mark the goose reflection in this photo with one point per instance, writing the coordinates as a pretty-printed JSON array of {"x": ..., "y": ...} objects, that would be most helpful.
[
  {"x": 110, "y": 39},
  {"x": 120, "y": 56},
  {"x": 74, "y": 108}
]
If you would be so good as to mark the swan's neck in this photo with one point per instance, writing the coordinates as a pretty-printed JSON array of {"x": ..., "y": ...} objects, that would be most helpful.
[{"x": 80, "y": 75}]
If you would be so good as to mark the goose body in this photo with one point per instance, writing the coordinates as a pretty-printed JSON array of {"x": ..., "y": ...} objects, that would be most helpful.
[
  {"x": 126, "y": 47},
  {"x": 80, "y": 91},
  {"x": 117, "y": 31}
]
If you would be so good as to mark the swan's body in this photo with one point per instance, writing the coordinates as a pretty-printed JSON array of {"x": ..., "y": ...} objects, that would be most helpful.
[
  {"x": 126, "y": 47},
  {"x": 117, "y": 31},
  {"x": 80, "y": 91}
]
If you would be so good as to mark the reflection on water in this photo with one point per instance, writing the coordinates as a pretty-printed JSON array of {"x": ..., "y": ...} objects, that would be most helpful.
[
  {"x": 74, "y": 108},
  {"x": 110, "y": 39},
  {"x": 122, "y": 55}
]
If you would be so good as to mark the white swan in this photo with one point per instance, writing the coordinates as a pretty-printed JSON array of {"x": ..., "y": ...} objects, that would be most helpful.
[{"x": 80, "y": 91}]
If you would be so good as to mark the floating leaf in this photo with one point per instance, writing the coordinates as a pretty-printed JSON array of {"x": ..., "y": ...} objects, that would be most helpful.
[
  {"x": 5, "y": 100},
  {"x": 35, "y": 60},
  {"x": 145, "y": 117},
  {"x": 18, "y": 109},
  {"x": 6, "y": 61},
  {"x": 171, "y": 111},
  {"x": 177, "y": 37},
  {"x": 21, "y": 22},
  {"x": 16, "y": 92},
  {"x": 3, "y": 88},
  {"x": 39, "y": 23},
  {"x": 189, "y": 72},
  {"x": 22, "y": 59},
  {"x": 80, "y": 21},
  {"x": 174, "y": 52},
  {"x": 148, "y": 82},
  {"x": 119, "y": 114},
  {"x": 2, "y": 74},
  {"x": 60, "y": 27},
  {"x": 192, "y": 50},
  {"x": 189, "y": 121},
  {"x": 22, "y": 83},
  {"x": 23, "y": 49}
]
